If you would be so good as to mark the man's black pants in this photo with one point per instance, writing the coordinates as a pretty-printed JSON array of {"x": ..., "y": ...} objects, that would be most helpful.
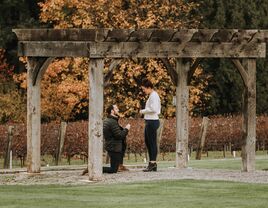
[{"x": 115, "y": 160}]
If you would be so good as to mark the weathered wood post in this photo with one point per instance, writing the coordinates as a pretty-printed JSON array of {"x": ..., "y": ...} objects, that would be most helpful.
[
  {"x": 8, "y": 154},
  {"x": 202, "y": 138},
  {"x": 62, "y": 131},
  {"x": 182, "y": 99},
  {"x": 36, "y": 68},
  {"x": 224, "y": 150},
  {"x": 95, "y": 132},
  {"x": 249, "y": 116},
  {"x": 33, "y": 117}
]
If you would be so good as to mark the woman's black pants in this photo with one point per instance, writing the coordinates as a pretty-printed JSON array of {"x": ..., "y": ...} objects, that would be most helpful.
[{"x": 150, "y": 134}]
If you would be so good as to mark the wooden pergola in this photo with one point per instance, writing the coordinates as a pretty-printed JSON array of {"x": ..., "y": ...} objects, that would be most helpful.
[{"x": 41, "y": 46}]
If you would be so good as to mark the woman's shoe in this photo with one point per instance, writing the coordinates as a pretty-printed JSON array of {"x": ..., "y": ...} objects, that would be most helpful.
[{"x": 151, "y": 167}]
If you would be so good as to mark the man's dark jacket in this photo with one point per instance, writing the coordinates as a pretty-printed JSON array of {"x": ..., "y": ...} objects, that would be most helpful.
[{"x": 114, "y": 135}]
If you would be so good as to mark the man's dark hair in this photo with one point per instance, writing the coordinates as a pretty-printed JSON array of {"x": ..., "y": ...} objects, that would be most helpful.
[
  {"x": 146, "y": 83},
  {"x": 109, "y": 109}
]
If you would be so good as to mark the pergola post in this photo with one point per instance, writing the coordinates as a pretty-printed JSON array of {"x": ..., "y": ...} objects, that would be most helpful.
[
  {"x": 33, "y": 117},
  {"x": 36, "y": 68},
  {"x": 95, "y": 124},
  {"x": 182, "y": 100},
  {"x": 249, "y": 116}
]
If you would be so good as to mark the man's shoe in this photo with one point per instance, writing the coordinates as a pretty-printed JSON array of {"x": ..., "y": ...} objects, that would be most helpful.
[
  {"x": 122, "y": 168},
  {"x": 151, "y": 167}
]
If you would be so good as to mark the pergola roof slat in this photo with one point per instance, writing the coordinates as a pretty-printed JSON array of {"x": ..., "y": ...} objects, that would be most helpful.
[
  {"x": 203, "y": 35},
  {"x": 183, "y": 35},
  {"x": 223, "y": 35},
  {"x": 117, "y": 35},
  {"x": 244, "y": 36}
]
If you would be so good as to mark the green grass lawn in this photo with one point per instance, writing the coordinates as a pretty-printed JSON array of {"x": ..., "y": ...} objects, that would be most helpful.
[
  {"x": 179, "y": 193},
  {"x": 231, "y": 164},
  {"x": 215, "y": 160},
  {"x": 176, "y": 193}
]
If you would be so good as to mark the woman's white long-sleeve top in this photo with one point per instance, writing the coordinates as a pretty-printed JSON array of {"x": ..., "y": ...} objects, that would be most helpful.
[{"x": 152, "y": 107}]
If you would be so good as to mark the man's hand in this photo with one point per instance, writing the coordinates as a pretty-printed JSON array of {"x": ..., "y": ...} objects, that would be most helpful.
[{"x": 127, "y": 126}]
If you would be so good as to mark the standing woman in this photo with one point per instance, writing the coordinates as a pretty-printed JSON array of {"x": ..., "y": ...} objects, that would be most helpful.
[{"x": 151, "y": 112}]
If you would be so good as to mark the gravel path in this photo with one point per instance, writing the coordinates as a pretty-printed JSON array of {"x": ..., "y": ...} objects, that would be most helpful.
[{"x": 73, "y": 177}]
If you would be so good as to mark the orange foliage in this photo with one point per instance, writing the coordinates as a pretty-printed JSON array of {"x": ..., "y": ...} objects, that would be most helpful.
[
  {"x": 12, "y": 106},
  {"x": 118, "y": 14},
  {"x": 63, "y": 86},
  {"x": 62, "y": 90}
]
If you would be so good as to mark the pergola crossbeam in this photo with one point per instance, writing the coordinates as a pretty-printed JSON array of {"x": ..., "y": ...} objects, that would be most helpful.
[{"x": 141, "y": 49}]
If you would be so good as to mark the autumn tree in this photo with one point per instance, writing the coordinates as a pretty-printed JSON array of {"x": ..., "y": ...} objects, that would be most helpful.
[
  {"x": 118, "y": 14},
  {"x": 64, "y": 85},
  {"x": 12, "y": 105},
  {"x": 123, "y": 86},
  {"x": 14, "y": 14}
]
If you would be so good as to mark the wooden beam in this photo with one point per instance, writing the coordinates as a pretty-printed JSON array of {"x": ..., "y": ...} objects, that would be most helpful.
[
  {"x": 108, "y": 76},
  {"x": 243, "y": 73},
  {"x": 249, "y": 117},
  {"x": 142, "y": 49},
  {"x": 62, "y": 132},
  {"x": 39, "y": 72},
  {"x": 53, "y": 49},
  {"x": 202, "y": 138},
  {"x": 171, "y": 71},
  {"x": 95, "y": 132},
  {"x": 169, "y": 49},
  {"x": 8, "y": 150},
  {"x": 33, "y": 116},
  {"x": 182, "y": 126},
  {"x": 192, "y": 69},
  {"x": 204, "y": 35},
  {"x": 141, "y": 35},
  {"x": 72, "y": 34},
  {"x": 102, "y": 34},
  {"x": 223, "y": 35},
  {"x": 37, "y": 68}
]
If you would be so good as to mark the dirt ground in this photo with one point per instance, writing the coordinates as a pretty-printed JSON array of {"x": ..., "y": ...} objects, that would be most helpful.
[{"x": 72, "y": 176}]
